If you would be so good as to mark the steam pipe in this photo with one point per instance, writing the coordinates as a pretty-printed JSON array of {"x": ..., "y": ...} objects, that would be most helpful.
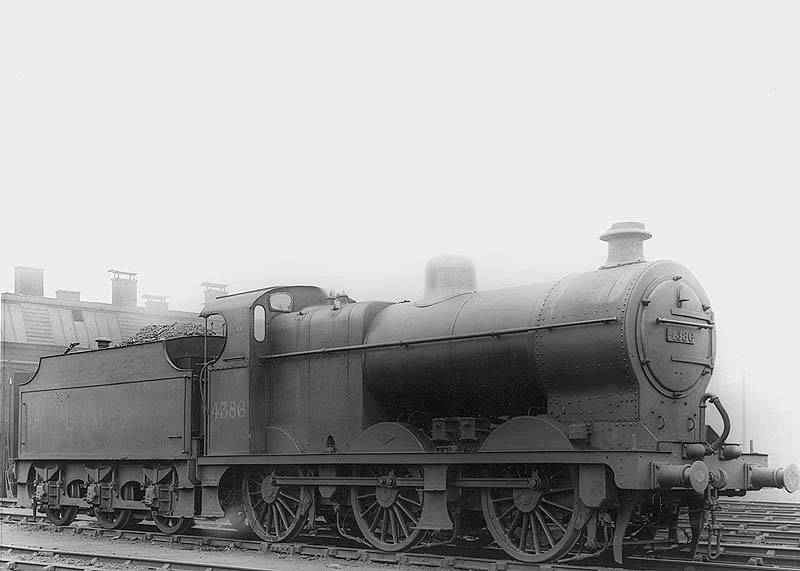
[{"x": 714, "y": 447}]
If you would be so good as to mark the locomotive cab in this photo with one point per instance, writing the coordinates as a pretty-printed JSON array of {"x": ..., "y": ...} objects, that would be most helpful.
[{"x": 237, "y": 395}]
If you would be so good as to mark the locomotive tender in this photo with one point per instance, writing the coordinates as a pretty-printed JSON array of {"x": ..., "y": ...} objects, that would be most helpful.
[{"x": 544, "y": 414}]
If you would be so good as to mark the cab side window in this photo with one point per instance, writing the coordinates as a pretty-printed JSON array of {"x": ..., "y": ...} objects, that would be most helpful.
[
  {"x": 281, "y": 301},
  {"x": 259, "y": 323}
]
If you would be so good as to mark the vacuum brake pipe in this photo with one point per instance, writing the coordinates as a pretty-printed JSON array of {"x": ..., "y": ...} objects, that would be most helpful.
[{"x": 714, "y": 447}]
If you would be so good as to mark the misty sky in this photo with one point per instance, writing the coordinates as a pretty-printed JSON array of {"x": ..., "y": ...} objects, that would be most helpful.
[{"x": 343, "y": 144}]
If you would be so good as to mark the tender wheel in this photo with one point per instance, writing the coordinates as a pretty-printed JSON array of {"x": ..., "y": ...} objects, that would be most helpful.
[
  {"x": 65, "y": 515},
  {"x": 118, "y": 518},
  {"x": 275, "y": 512},
  {"x": 114, "y": 519},
  {"x": 387, "y": 514},
  {"x": 172, "y": 525},
  {"x": 537, "y": 523}
]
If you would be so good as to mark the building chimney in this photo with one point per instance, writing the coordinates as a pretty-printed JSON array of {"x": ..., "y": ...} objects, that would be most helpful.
[
  {"x": 625, "y": 243},
  {"x": 29, "y": 281},
  {"x": 213, "y": 290},
  {"x": 68, "y": 295},
  {"x": 155, "y": 303},
  {"x": 123, "y": 288}
]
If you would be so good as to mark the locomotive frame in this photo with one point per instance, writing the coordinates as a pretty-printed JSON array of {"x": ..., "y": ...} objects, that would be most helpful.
[{"x": 548, "y": 414}]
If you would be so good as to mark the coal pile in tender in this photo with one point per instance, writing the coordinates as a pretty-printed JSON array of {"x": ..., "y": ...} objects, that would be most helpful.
[{"x": 150, "y": 333}]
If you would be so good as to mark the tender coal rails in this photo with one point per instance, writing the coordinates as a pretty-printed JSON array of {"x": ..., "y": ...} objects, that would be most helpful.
[{"x": 548, "y": 415}]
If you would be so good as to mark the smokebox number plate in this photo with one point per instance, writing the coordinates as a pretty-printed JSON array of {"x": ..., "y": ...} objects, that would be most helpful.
[{"x": 681, "y": 335}]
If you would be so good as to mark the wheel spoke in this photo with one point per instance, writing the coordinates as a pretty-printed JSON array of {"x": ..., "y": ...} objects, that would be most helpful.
[
  {"x": 400, "y": 520},
  {"x": 284, "y": 521},
  {"x": 286, "y": 495},
  {"x": 285, "y": 506},
  {"x": 375, "y": 519},
  {"x": 267, "y": 517},
  {"x": 514, "y": 524},
  {"x": 274, "y": 520},
  {"x": 505, "y": 513},
  {"x": 370, "y": 508},
  {"x": 546, "y": 530},
  {"x": 523, "y": 534},
  {"x": 409, "y": 500},
  {"x": 384, "y": 525},
  {"x": 536, "y": 546},
  {"x": 556, "y": 505},
  {"x": 555, "y": 521},
  {"x": 409, "y": 515},
  {"x": 392, "y": 525}
]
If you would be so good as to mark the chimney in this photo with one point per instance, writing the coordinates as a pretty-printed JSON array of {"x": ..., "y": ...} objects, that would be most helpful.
[
  {"x": 29, "y": 281},
  {"x": 625, "y": 243},
  {"x": 213, "y": 290},
  {"x": 155, "y": 303},
  {"x": 123, "y": 288},
  {"x": 447, "y": 276},
  {"x": 68, "y": 295}
]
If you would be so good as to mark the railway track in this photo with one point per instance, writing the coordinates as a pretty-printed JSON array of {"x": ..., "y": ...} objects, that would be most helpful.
[
  {"x": 760, "y": 546},
  {"x": 733, "y": 555},
  {"x": 753, "y": 530},
  {"x": 23, "y": 558},
  {"x": 18, "y": 558},
  {"x": 734, "y": 503}
]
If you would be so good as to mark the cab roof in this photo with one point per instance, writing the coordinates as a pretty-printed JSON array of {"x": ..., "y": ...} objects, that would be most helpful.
[
  {"x": 304, "y": 295},
  {"x": 244, "y": 299}
]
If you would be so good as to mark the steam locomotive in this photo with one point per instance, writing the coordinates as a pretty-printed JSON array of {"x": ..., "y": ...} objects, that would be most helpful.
[{"x": 545, "y": 416}]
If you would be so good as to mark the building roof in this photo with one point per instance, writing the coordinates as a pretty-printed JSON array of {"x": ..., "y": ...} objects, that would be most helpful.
[{"x": 58, "y": 322}]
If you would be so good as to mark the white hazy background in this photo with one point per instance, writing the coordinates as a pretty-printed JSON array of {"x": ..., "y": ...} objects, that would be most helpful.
[{"x": 343, "y": 144}]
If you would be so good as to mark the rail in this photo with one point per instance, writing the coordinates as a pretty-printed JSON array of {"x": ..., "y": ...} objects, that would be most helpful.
[{"x": 733, "y": 555}]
